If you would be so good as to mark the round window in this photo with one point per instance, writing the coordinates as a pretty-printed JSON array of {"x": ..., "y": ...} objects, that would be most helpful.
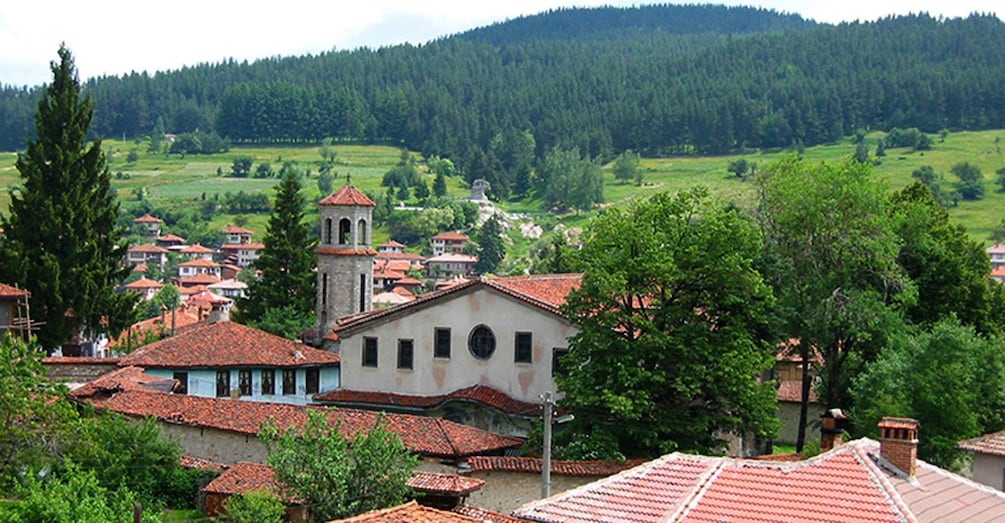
[{"x": 481, "y": 342}]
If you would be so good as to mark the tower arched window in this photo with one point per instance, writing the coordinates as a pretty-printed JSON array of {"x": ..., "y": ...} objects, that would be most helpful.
[
  {"x": 361, "y": 232},
  {"x": 344, "y": 231},
  {"x": 328, "y": 231}
]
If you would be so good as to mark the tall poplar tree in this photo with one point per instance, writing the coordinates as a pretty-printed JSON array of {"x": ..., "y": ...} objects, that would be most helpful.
[
  {"x": 62, "y": 242},
  {"x": 287, "y": 282}
]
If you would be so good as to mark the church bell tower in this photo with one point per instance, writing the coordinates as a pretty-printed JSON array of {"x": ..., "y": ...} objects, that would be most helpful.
[{"x": 345, "y": 259}]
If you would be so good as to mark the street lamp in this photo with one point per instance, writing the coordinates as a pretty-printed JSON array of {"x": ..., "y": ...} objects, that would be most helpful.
[{"x": 549, "y": 418}]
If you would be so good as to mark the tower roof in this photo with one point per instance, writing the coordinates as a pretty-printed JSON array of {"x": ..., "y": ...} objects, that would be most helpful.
[{"x": 349, "y": 196}]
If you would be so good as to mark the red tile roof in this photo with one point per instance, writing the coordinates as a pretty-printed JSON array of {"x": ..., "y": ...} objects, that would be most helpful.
[
  {"x": 234, "y": 229},
  {"x": 77, "y": 360},
  {"x": 792, "y": 391},
  {"x": 849, "y": 483},
  {"x": 170, "y": 238},
  {"x": 196, "y": 249},
  {"x": 144, "y": 283},
  {"x": 198, "y": 279},
  {"x": 558, "y": 467},
  {"x": 9, "y": 291},
  {"x": 184, "y": 317},
  {"x": 444, "y": 484},
  {"x": 997, "y": 248},
  {"x": 486, "y": 516},
  {"x": 393, "y": 244},
  {"x": 348, "y": 195},
  {"x": 124, "y": 379},
  {"x": 993, "y": 444},
  {"x": 410, "y": 512},
  {"x": 427, "y": 436},
  {"x": 199, "y": 262},
  {"x": 250, "y": 246},
  {"x": 192, "y": 462},
  {"x": 227, "y": 344},
  {"x": 451, "y": 236},
  {"x": 148, "y": 248},
  {"x": 245, "y": 477},
  {"x": 477, "y": 393},
  {"x": 545, "y": 291},
  {"x": 410, "y": 256},
  {"x": 146, "y": 218},
  {"x": 998, "y": 272}
]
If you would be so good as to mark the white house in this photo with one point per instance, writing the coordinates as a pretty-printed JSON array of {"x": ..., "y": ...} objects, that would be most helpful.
[
  {"x": 226, "y": 359},
  {"x": 451, "y": 264},
  {"x": 198, "y": 266},
  {"x": 503, "y": 334},
  {"x": 448, "y": 242}
]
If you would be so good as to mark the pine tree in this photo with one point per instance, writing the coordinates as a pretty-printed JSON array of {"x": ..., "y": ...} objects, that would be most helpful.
[
  {"x": 440, "y": 186},
  {"x": 491, "y": 250},
  {"x": 286, "y": 264},
  {"x": 62, "y": 242}
]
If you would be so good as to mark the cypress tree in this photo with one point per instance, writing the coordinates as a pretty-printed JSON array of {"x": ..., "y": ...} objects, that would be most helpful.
[
  {"x": 62, "y": 242},
  {"x": 491, "y": 250},
  {"x": 286, "y": 265}
]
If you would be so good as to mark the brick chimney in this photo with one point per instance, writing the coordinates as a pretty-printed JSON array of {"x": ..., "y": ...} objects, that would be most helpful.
[
  {"x": 832, "y": 429},
  {"x": 898, "y": 443}
]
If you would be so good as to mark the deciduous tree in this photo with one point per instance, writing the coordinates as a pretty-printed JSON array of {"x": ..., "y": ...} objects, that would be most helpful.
[
  {"x": 62, "y": 241},
  {"x": 674, "y": 328},
  {"x": 340, "y": 476}
]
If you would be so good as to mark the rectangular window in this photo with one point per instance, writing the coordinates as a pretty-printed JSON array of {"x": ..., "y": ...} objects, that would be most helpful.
[
  {"x": 268, "y": 382},
  {"x": 405, "y": 354},
  {"x": 182, "y": 386},
  {"x": 244, "y": 381},
  {"x": 313, "y": 380},
  {"x": 289, "y": 381},
  {"x": 222, "y": 383},
  {"x": 441, "y": 343},
  {"x": 556, "y": 364},
  {"x": 369, "y": 352},
  {"x": 362, "y": 292},
  {"x": 523, "y": 350}
]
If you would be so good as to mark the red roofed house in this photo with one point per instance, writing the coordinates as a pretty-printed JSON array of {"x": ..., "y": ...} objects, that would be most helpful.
[
  {"x": 149, "y": 254},
  {"x": 225, "y": 359},
  {"x": 988, "y": 458},
  {"x": 788, "y": 373},
  {"x": 149, "y": 226},
  {"x": 225, "y": 430},
  {"x": 242, "y": 478},
  {"x": 144, "y": 287},
  {"x": 501, "y": 334},
  {"x": 997, "y": 254},
  {"x": 170, "y": 241},
  {"x": 197, "y": 251},
  {"x": 235, "y": 234},
  {"x": 861, "y": 481},
  {"x": 450, "y": 265},
  {"x": 199, "y": 266},
  {"x": 13, "y": 307},
  {"x": 448, "y": 242},
  {"x": 242, "y": 254},
  {"x": 998, "y": 274}
]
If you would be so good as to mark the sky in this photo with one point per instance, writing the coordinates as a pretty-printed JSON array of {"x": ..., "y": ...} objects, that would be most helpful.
[{"x": 115, "y": 37}]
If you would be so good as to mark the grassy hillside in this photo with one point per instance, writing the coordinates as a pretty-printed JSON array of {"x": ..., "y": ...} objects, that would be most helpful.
[{"x": 176, "y": 182}]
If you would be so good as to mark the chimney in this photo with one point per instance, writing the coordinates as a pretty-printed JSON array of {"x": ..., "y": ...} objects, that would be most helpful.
[
  {"x": 832, "y": 429},
  {"x": 218, "y": 312},
  {"x": 898, "y": 443}
]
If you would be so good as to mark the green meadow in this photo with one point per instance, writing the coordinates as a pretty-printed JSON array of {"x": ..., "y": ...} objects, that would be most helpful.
[{"x": 175, "y": 182}]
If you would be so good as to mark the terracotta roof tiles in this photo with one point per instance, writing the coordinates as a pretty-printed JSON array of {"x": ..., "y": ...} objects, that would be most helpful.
[
  {"x": 993, "y": 444},
  {"x": 348, "y": 195},
  {"x": 9, "y": 291},
  {"x": 451, "y": 236},
  {"x": 234, "y": 229},
  {"x": 476, "y": 393},
  {"x": 144, "y": 283},
  {"x": 997, "y": 248},
  {"x": 792, "y": 391},
  {"x": 558, "y": 467},
  {"x": 432, "y": 437},
  {"x": 227, "y": 344},
  {"x": 196, "y": 249},
  {"x": 444, "y": 484},
  {"x": 147, "y": 218},
  {"x": 410, "y": 512},
  {"x": 486, "y": 516},
  {"x": 849, "y": 483},
  {"x": 148, "y": 248}
]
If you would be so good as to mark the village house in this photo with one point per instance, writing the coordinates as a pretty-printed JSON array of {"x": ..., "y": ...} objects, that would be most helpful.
[
  {"x": 863, "y": 480},
  {"x": 241, "y": 254},
  {"x": 226, "y": 359},
  {"x": 196, "y": 252},
  {"x": 170, "y": 241},
  {"x": 451, "y": 265},
  {"x": 445, "y": 242},
  {"x": 149, "y": 254},
  {"x": 149, "y": 226},
  {"x": 145, "y": 287},
  {"x": 229, "y": 288},
  {"x": 235, "y": 234},
  {"x": 13, "y": 309},
  {"x": 226, "y": 430},
  {"x": 988, "y": 458},
  {"x": 996, "y": 253},
  {"x": 199, "y": 266},
  {"x": 502, "y": 334}
]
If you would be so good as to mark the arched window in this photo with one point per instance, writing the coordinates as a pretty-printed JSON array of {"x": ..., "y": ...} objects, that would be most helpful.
[
  {"x": 361, "y": 232},
  {"x": 344, "y": 231},
  {"x": 328, "y": 231}
]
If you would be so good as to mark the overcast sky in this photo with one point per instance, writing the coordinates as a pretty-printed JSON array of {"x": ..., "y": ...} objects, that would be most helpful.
[{"x": 115, "y": 37}]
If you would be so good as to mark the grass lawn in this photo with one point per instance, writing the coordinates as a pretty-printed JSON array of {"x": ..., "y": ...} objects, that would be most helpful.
[{"x": 174, "y": 181}]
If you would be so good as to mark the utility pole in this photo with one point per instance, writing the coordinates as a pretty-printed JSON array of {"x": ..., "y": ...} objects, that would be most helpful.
[{"x": 549, "y": 406}]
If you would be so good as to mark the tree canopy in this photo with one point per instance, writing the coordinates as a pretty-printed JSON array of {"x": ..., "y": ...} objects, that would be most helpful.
[
  {"x": 62, "y": 242},
  {"x": 674, "y": 328}
]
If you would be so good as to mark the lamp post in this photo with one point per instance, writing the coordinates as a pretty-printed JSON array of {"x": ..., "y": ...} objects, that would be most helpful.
[{"x": 549, "y": 418}]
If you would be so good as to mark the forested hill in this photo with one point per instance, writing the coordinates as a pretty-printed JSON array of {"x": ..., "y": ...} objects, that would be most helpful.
[
  {"x": 615, "y": 23},
  {"x": 650, "y": 90}
]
